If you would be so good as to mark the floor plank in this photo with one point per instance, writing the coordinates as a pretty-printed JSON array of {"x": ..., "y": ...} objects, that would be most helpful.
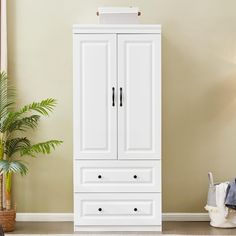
[
  {"x": 174, "y": 227},
  {"x": 194, "y": 228}
]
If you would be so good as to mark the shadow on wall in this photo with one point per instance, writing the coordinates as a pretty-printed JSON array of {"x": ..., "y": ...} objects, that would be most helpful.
[
  {"x": 222, "y": 100},
  {"x": 199, "y": 123},
  {"x": 195, "y": 95}
]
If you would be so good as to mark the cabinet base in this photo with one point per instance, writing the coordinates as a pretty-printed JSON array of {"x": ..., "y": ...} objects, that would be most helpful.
[{"x": 117, "y": 228}]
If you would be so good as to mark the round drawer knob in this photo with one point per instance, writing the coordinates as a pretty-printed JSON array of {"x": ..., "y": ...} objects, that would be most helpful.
[
  {"x": 99, "y": 209},
  {"x": 99, "y": 176},
  {"x": 135, "y": 176},
  {"x": 135, "y": 209}
]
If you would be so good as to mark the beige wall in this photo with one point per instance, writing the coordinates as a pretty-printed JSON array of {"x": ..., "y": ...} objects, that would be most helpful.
[{"x": 199, "y": 93}]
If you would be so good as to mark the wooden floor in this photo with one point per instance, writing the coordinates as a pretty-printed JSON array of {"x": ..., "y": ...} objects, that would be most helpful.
[{"x": 192, "y": 228}]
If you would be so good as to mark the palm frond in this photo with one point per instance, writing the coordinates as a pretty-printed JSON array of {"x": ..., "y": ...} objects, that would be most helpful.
[
  {"x": 8, "y": 120},
  {"x": 43, "y": 107},
  {"x": 7, "y": 97},
  {"x": 7, "y": 92},
  {"x": 15, "y": 145},
  {"x": 44, "y": 147},
  {"x": 13, "y": 166},
  {"x": 24, "y": 123}
]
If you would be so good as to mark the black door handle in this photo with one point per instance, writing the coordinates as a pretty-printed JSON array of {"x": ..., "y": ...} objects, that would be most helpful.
[
  {"x": 121, "y": 97},
  {"x": 113, "y": 96}
]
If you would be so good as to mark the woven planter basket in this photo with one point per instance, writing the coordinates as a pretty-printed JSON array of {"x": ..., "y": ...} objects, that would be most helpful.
[{"x": 8, "y": 219}]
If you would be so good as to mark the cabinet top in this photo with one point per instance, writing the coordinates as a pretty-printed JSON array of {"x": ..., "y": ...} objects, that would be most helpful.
[{"x": 116, "y": 28}]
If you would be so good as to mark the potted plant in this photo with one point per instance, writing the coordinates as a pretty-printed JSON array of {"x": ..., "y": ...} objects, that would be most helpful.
[{"x": 14, "y": 144}]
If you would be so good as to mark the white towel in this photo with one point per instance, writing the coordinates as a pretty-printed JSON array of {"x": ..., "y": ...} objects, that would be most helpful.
[
  {"x": 220, "y": 198},
  {"x": 221, "y": 216},
  {"x": 211, "y": 208}
]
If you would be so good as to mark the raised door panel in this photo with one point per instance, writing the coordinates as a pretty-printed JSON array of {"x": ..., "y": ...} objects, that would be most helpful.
[
  {"x": 139, "y": 85},
  {"x": 95, "y": 115}
]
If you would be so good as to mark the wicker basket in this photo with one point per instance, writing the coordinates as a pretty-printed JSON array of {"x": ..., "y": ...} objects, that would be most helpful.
[{"x": 8, "y": 219}]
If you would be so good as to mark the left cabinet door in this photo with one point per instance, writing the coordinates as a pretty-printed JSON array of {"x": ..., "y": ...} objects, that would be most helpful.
[{"x": 94, "y": 87}]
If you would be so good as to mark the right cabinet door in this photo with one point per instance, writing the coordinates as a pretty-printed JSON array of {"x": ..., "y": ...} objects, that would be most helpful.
[{"x": 139, "y": 86}]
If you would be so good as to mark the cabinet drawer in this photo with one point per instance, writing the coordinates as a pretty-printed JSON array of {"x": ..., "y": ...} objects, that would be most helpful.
[
  {"x": 117, "y": 176},
  {"x": 117, "y": 209}
]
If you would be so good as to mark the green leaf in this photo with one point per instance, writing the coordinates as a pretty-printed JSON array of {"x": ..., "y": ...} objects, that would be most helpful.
[
  {"x": 43, "y": 108},
  {"x": 15, "y": 145},
  {"x": 24, "y": 123},
  {"x": 7, "y": 97},
  {"x": 13, "y": 166},
  {"x": 44, "y": 148}
]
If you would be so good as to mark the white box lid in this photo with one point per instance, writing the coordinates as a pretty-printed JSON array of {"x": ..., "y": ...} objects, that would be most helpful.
[
  {"x": 118, "y": 10},
  {"x": 118, "y": 15}
]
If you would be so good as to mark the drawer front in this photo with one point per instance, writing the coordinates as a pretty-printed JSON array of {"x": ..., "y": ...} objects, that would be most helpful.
[
  {"x": 117, "y": 209},
  {"x": 117, "y": 176}
]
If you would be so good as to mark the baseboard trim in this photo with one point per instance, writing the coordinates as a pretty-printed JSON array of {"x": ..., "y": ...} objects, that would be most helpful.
[
  {"x": 117, "y": 228},
  {"x": 69, "y": 217},
  {"x": 44, "y": 216},
  {"x": 185, "y": 217}
]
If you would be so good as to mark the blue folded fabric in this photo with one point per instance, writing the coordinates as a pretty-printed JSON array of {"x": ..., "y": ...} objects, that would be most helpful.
[{"x": 230, "y": 199}]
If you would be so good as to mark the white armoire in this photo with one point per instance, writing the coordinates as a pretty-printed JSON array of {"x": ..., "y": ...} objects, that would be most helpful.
[{"x": 117, "y": 127}]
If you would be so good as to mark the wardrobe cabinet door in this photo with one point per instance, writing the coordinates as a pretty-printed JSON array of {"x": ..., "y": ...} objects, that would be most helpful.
[
  {"x": 139, "y": 85},
  {"x": 95, "y": 108}
]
